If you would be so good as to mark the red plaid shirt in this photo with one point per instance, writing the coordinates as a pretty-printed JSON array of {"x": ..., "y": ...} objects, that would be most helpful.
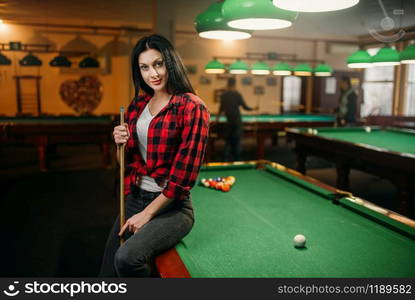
[{"x": 176, "y": 144}]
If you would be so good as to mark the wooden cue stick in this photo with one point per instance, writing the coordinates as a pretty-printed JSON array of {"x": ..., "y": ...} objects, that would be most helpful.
[{"x": 122, "y": 168}]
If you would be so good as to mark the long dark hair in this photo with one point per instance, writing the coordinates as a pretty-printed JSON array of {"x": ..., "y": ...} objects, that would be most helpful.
[{"x": 177, "y": 82}]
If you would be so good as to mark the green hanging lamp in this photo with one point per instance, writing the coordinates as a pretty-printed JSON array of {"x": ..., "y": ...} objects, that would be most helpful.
[
  {"x": 314, "y": 5},
  {"x": 303, "y": 70},
  {"x": 238, "y": 67},
  {"x": 30, "y": 60},
  {"x": 215, "y": 67},
  {"x": 386, "y": 56},
  {"x": 89, "y": 62},
  {"x": 60, "y": 61},
  {"x": 323, "y": 70},
  {"x": 360, "y": 59},
  {"x": 282, "y": 69},
  {"x": 407, "y": 56},
  {"x": 260, "y": 68},
  {"x": 256, "y": 15},
  {"x": 4, "y": 60},
  {"x": 210, "y": 24}
]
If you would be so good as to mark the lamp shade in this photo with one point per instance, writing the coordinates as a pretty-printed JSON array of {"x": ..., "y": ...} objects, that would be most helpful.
[
  {"x": 4, "y": 60},
  {"x": 323, "y": 70},
  {"x": 314, "y": 5},
  {"x": 386, "y": 56},
  {"x": 89, "y": 62},
  {"x": 359, "y": 59},
  {"x": 215, "y": 67},
  {"x": 30, "y": 60},
  {"x": 303, "y": 70},
  {"x": 238, "y": 67},
  {"x": 210, "y": 24},
  {"x": 282, "y": 69},
  {"x": 256, "y": 15},
  {"x": 260, "y": 68},
  {"x": 407, "y": 56},
  {"x": 60, "y": 61}
]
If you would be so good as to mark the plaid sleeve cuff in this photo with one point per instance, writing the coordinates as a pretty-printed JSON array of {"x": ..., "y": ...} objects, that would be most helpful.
[{"x": 175, "y": 191}]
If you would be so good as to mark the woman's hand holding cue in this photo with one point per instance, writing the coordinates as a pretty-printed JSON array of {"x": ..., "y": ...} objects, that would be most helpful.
[{"x": 121, "y": 135}]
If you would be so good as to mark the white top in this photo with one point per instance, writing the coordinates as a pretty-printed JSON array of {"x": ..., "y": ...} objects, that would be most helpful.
[{"x": 147, "y": 183}]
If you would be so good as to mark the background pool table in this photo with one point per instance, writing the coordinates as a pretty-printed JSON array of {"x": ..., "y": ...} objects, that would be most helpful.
[
  {"x": 248, "y": 231},
  {"x": 44, "y": 132},
  {"x": 263, "y": 127},
  {"x": 385, "y": 152}
]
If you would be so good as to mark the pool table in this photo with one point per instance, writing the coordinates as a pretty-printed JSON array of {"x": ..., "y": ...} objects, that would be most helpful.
[
  {"x": 263, "y": 127},
  {"x": 47, "y": 131},
  {"x": 248, "y": 231},
  {"x": 385, "y": 152}
]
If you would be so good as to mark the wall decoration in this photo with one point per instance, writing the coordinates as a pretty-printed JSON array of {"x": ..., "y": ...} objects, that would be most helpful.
[
  {"x": 224, "y": 76},
  {"x": 259, "y": 90},
  {"x": 271, "y": 81},
  {"x": 331, "y": 86},
  {"x": 83, "y": 95},
  {"x": 246, "y": 80},
  {"x": 205, "y": 80}
]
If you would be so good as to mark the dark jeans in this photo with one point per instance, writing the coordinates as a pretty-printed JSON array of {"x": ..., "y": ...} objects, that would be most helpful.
[{"x": 134, "y": 257}]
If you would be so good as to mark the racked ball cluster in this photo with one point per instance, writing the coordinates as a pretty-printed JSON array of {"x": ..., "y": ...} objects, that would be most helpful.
[{"x": 223, "y": 184}]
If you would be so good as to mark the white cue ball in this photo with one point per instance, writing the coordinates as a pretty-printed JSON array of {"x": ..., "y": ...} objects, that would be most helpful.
[
  {"x": 299, "y": 241},
  {"x": 368, "y": 129},
  {"x": 310, "y": 130}
]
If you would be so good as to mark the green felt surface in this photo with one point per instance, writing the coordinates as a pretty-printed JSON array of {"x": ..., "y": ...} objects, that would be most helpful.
[
  {"x": 56, "y": 120},
  {"x": 390, "y": 140},
  {"x": 282, "y": 118},
  {"x": 248, "y": 232}
]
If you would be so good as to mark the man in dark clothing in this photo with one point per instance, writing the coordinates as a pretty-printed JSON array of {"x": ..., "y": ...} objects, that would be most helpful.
[
  {"x": 230, "y": 101},
  {"x": 347, "y": 110}
]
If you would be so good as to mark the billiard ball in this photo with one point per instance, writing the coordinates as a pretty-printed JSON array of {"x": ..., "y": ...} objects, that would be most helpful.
[
  {"x": 310, "y": 130},
  {"x": 299, "y": 241},
  {"x": 368, "y": 129},
  {"x": 205, "y": 182},
  {"x": 226, "y": 187},
  {"x": 231, "y": 180},
  {"x": 219, "y": 185}
]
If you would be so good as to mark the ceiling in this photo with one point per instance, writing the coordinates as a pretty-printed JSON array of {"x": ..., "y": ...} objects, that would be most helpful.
[{"x": 358, "y": 20}]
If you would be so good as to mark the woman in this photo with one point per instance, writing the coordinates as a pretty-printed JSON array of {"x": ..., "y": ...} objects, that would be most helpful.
[{"x": 165, "y": 137}]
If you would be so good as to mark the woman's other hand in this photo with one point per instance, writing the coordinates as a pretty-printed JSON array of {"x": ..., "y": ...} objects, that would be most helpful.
[{"x": 134, "y": 223}]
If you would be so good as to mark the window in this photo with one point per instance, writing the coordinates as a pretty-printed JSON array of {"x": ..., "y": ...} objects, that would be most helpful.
[
  {"x": 291, "y": 93},
  {"x": 378, "y": 89},
  {"x": 409, "y": 109}
]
